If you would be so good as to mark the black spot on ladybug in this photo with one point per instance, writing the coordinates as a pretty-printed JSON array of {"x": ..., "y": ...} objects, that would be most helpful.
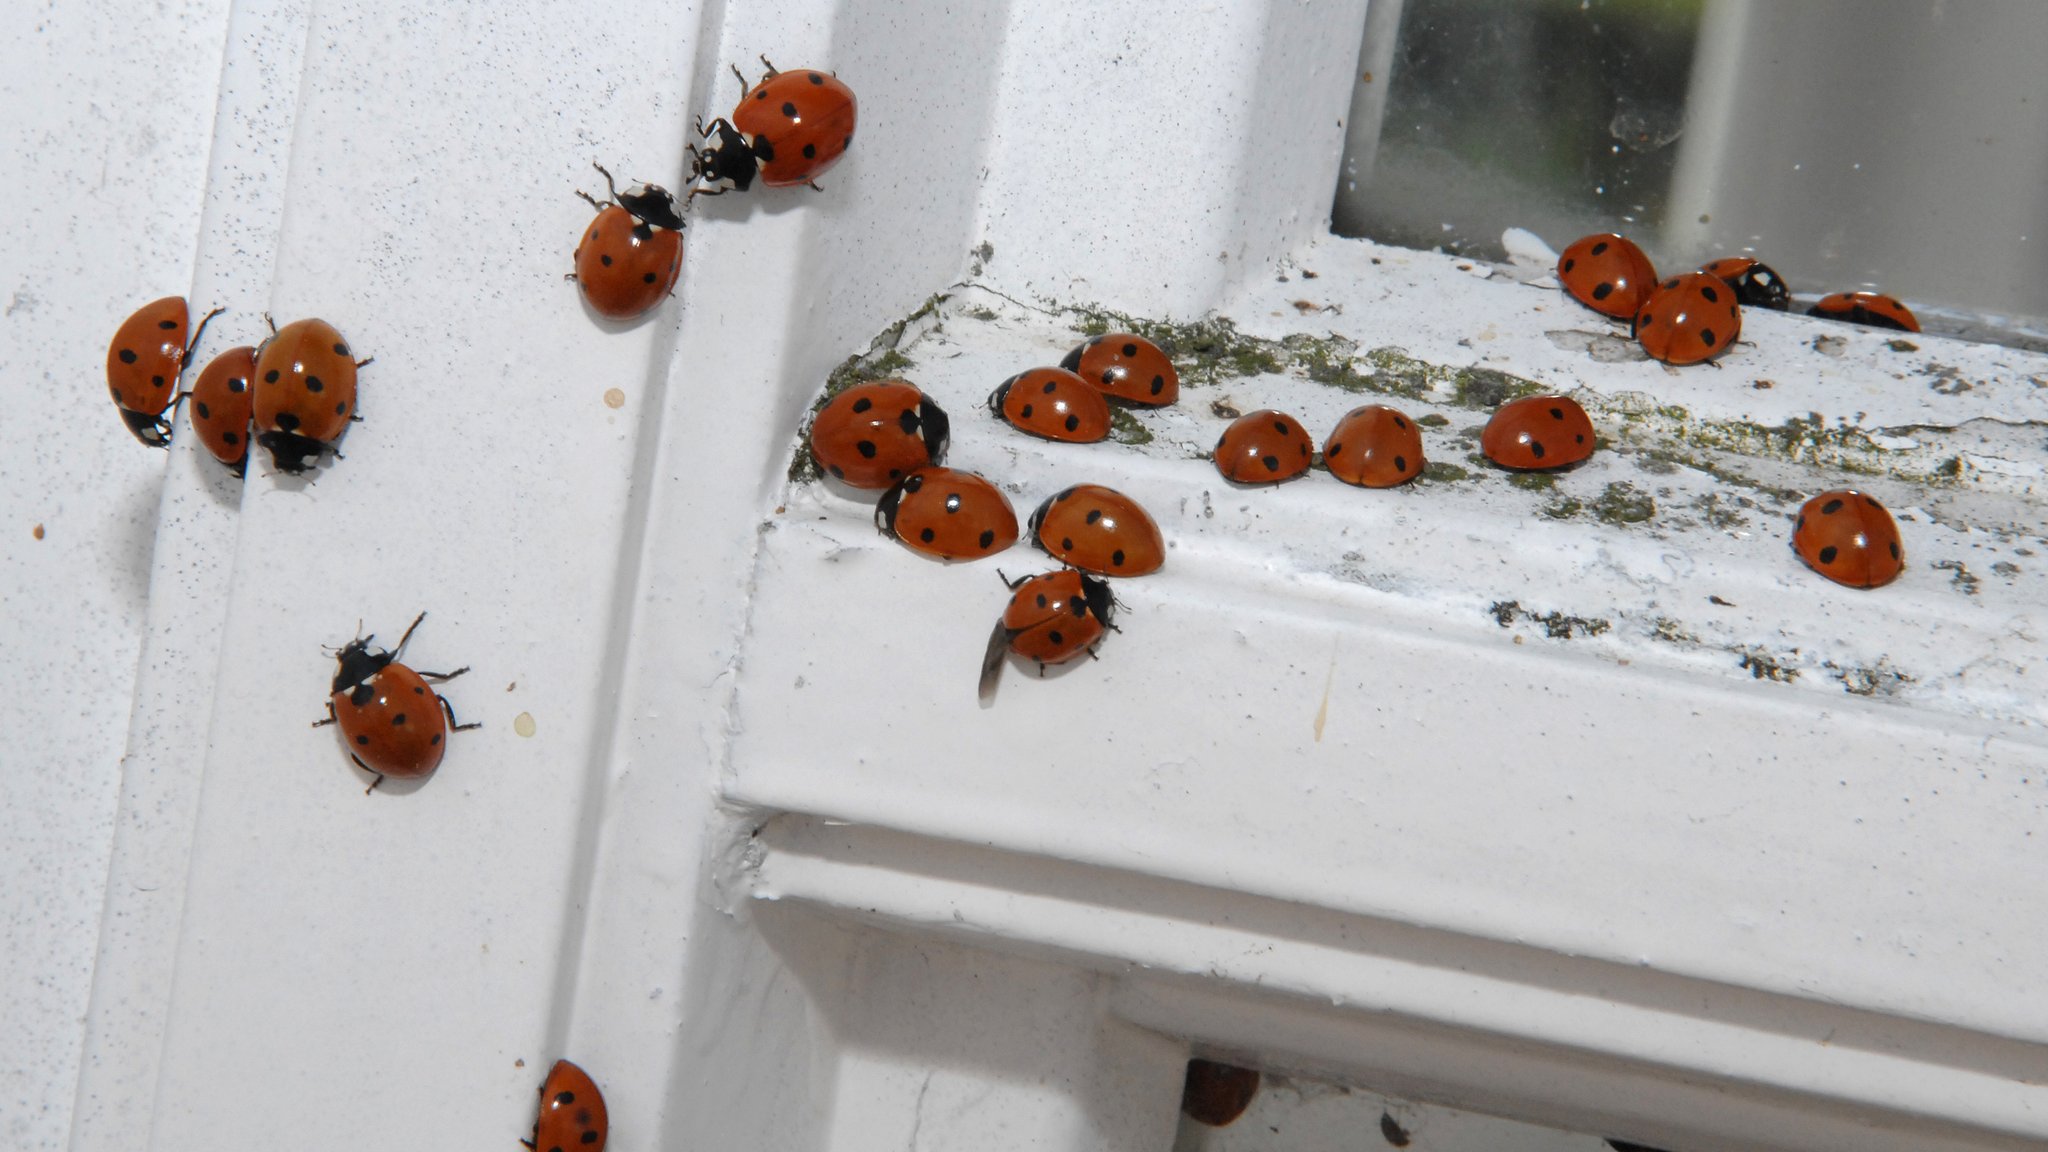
[
  {"x": 1712, "y": 296},
  {"x": 1041, "y": 599},
  {"x": 988, "y": 537},
  {"x": 1055, "y": 637},
  {"x": 1066, "y": 544},
  {"x": 362, "y": 739},
  {"x": 237, "y": 384},
  {"x": 341, "y": 409},
  {"x": 1602, "y": 290},
  {"x": 127, "y": 355},
  {"x": 564, "y": 1099},
  {"x": 927, "y": 535},
  {"x": 1158, "y": 385},
  {"x": 1116, "y": 558},
  {"x": 1280, "y": 426},
  {"x": 340, "y": 349},
  {"x": 647, "y": 278},
  {"x": 1895, "y": 550},
  {"x": 1400, "y": 463},
  {"x": 789, "y": 109},
  {"x": 1671, "y": 283},
  {"x": 1536, "y": 448},
  {"x": 1094, "y": 514},
  {"x": 605, "y": 260},
  {"x": 436, "y": 739},
  {"x": 1130, "y": 349},
  {"x": 167, "y": 325},
  {"x": 1400, "y": 423},
  {"x": 908, "y": 421},
  {"x": 230, "y": 439},
  {"x": 270, "y": 377},
  {"x": 895, "y": 473},
  {"x": 398, "y": 720},
  {"x": 203, "y": 413},
  {"x": 863, "y": 404},
  {"x": 288, "y": 421},
  {"x": 1333, "y": 449},
  {"x": 1220, "y": 440},
  {"x": 1831, "y": 507},
  {"x": 314, "y": 384},
  {"x": 1272, "y": 463},
  {"x": 761, "y": 95},
  {"x": 838, "y": 473},
  {"x": 418, "y": 690},
  {"x": 1600, "y": 247},
  {"x": 1707, "y": 336},
  {"x": 1579, "y": 439},
  {"x": 1108, "y": 376},
  {"x": 843, "y": 143},
  {"x": 1304, "y": 448},
  {"x": 1050, "y": 386},
  {"x": 810, "y": 151},
  {"x": 1827, "y": 554},
  {"x": 157, "y": 381},
  {"x": 1073, "y": 422},
  {"x": 815, "y": 78},
  {"x": 1078, "y": 607},
  {"x": 1026, "y": 413},
  {"x": 866, "y": 448},
  {"x": 589, "y": 1136}
]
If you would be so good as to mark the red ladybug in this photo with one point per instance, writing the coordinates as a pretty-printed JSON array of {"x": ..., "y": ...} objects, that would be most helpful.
[
  {"x": 305, "y": 392},
  {"x": 787, "y": 130},
  {"x": 1689, "y": 319},
  {"x": 872, "y": 435},
  {"x": 222, "y": 403},
  {"x": 394, "y": 722},
  {"x": 144, "y": 362},
  {"x": 1755, "y": 284},
  {"x": 1216, "y": 1094},
  {"x": 632, "y": 253},
  {"x": 1538, "y": 432},
  {"x": 1374, "y": 447},
  {"x": 1126, "y": 367},
  {"x": 572, "y": 1113},
  {"x": 1263, "y": 447},
  {"x": 1872, "y": 308},
  {"x": 947, "y": 513},
  {"x": 1849, "y": 538},
  {"x": 1051, "y": 619},
  {"x": 1053, "y": 403},
  {"x": 1606, "y": 273},
  {"x": 1099, "y": 530}
]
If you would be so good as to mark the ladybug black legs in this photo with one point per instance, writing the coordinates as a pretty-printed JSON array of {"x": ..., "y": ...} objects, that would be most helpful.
[
  {"x": 372, "y": 771},
  {"x": 611, "y": 191},
  {"x": 1009, "y": 583},
  {"x": 814, "y": 185},
  {"x": 196, "y": 334},
  {"x": 450, "y": 710},
  {"x": 772, "y": 69},
  {"x": 737, "y": 75},
  {"x": 330, "y": 716}
]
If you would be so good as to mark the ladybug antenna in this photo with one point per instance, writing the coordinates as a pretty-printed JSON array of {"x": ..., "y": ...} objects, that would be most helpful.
[{"x": 408, "y": 635}]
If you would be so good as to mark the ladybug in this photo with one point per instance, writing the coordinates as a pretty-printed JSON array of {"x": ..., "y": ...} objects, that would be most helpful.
[
  {"x": 1215, "y": 1093},
  {"x": 572, "y": 1113},
  {"x": 1374, "y": 447},
  {"x": 1538, "y": 432},
  {"x": 1689, "y": 319},
  {"x": 632, "y": 253},
  {"x": 1872, "y": 308},
  {"x": 787, "y": 130},
  {"x": 1053, "y": 403},
  {"x": 1755, "y": 283},
  {"x": 305, "y": 393},
  {"x": 1126, "y": 367},
  {"x": 1849, "y": 538},
  {"x": 222, "y": 402},
  {"x": 1099, "y": 530},
  {"x": 871, "y": 435},
  {"x": 1607, "y": 273},
  {"x": 1263, "y": 447},
  {"x": 391, "y": 718},
  {"x": 947, "y": 513},
  {"x": 144, "y": 362},
  {"x": 1051, "y": 619}
]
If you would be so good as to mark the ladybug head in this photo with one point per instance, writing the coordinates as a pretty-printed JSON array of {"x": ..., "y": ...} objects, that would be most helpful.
[
  {"x": 1038, "y": 516},
  {"x": 731, "y": 160},
  {"x": 652, "y": 204},
  {"x": 291, "y": 452},
  {"x": 1099, "y": 598},
  {"x": 154, "y": 431},
  {"x": 996, "y": 398},
  {"x": 885, "y": 511},
  {"x": 358, "y": 662},
  {"x": 936, "y": 428}
]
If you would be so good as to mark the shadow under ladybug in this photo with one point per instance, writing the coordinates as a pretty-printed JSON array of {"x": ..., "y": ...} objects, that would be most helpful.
[{"x": 392, "y": 720}]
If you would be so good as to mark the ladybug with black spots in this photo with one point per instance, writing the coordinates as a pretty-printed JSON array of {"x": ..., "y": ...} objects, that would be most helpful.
[
  {"x": 1052, "y": 403},
  {"x": 1873, "y": 309},
  {"x": 1538, "y": 432},
  {"x": 148, "y": 354},
  {"x": 786, "y": 130},
  {"x": 1051, "y": 619},
  {"x": 1754, "y": 282},
  {"x": 1689, "y": 319},
  {"x": 572, "y": 1113},
  {"x": 1606, "y": 273},
  {"x": 873, "y": 434},
  {"x": 1099, "y": 530},
  {"x": 632, "y": 254},
  {"x": 947, "y": 514},
  {"x": 1126, "y": 367},
  {"x": 393, "y": 721},
  {"x": 1374, "y": 447},
  {"x": 1263, "y": 447},
  {"x": 223, "y": 402},
  {"x": 1850, "y": 538},
  {"x": 305, "y": 393}
]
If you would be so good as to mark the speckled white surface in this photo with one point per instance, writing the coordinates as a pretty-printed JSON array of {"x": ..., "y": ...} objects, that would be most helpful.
[{"x": 658, "y": 672}]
